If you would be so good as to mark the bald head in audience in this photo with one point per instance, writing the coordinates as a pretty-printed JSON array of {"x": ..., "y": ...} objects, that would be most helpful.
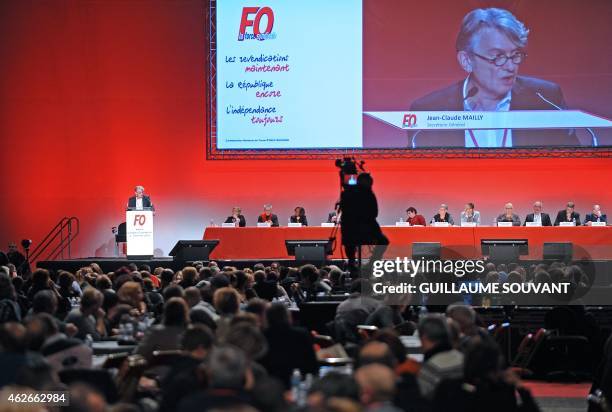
[{"x": 377, "y": 383}]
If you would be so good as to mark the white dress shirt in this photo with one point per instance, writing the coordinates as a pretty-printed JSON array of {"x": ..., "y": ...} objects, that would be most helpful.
[
  {"x": 488, "y": 137},
  {"x": 139, "y": 203}
]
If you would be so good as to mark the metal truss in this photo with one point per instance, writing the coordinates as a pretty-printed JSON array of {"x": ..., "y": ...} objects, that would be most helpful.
[
  {"x": 414, "y": 154},
  {"x": 211, "y": 76}
]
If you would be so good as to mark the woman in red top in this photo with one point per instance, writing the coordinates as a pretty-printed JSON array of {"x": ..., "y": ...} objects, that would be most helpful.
[{"x": 413, "y": 218}]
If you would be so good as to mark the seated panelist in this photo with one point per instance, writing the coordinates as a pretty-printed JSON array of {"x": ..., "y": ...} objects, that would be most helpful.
[
  {"x": 334, "y": 217},
  {"x": 469, "y": 215},
  {"x": 236, "y": 217},
  {"x": 299, "y": 216},
  {"x": 538, "y": 216},
  {"x": 139, "y": 201},
  {"x": 443, "y": 215},
  {"x": 568, "y": 215},
  {"x": 509, "y": 216},
  {"x": 268, "y": 217},
  {"x": 595, "y": 216},
  {"x": 414, "y": 219}
]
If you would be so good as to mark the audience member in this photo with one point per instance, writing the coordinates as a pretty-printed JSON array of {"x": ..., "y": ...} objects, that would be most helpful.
[
  {"x": 89, "y": 317},
  {"x": 167, "y": 335},
  {"x": 377, "y": 387},
  {"x": 186, "y": 374},
  {"x": 289, "y": 347},
  {"x": 441, "y": 361}
]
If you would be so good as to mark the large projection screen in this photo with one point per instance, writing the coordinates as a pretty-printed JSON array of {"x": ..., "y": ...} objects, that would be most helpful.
[{"x": 407, "y": 77}]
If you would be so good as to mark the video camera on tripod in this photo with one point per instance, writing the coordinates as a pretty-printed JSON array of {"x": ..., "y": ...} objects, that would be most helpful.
[{"x": 350, "y": 169}]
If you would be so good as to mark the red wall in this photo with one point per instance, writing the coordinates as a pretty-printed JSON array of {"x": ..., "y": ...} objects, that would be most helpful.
[{"x": 97, "y": 96}]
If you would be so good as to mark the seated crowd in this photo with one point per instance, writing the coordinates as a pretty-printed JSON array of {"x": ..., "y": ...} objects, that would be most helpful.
[{"x": 230, "y": 343}]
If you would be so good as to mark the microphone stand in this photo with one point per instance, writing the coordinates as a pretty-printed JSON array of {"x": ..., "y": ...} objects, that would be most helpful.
[{"x": 594, "y": 140}]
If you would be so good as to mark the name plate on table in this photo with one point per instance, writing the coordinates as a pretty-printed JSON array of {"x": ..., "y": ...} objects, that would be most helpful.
[
  {"x": 441, "y": 224},
  {"x": 328, "y": 224},
  {"x": 468, "y": 224},
  {"x": 264, "y": 224},
  {"x": 567, "y": 224},
  {"x": 402, "y": 224},
  {"x": 598, "y": 224},
  {"x": 504, "y": 224},
  {"x": 533, "y": 224},
  {"x": 228, "y": 225},
  {"x": 291, "y": 224}
]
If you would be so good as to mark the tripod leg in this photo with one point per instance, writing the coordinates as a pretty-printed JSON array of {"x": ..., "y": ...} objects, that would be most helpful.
[{"x": 377, "y": 254}]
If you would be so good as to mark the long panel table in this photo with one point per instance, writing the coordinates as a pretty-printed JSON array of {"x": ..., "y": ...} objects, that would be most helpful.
[{"x": 457, "y": 242}]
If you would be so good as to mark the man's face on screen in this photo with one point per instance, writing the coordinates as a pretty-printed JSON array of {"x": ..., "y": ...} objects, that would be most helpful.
[
  {"x": 493, "y": 81},
  {"x": 139, "y": 193}
]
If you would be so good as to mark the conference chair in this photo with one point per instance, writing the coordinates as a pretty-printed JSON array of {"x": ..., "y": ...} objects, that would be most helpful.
[{"x": 99, "y": 379}]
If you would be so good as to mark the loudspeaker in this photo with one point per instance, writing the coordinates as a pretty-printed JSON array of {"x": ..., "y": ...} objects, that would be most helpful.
[
  {"x": 309, "y": 250},
  {"x": 427, "y": 250},
  {"x": 504, "y": 250},
  {"x": 191, "y": 250},
  {"x": 562, "y": 251}
]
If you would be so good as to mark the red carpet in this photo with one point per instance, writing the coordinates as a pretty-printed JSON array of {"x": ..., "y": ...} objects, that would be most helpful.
[{"x": 558, "y": 390}]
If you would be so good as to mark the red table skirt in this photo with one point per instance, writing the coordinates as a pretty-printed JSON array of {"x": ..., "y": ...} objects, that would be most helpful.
[{"x": 457, "y": 242}]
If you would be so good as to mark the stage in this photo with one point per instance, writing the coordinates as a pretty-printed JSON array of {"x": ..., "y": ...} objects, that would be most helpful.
[
  {"x": 243, "y": 247},
  {"x": 249, "y": 243},
  {"x": 110, "y": 264}
]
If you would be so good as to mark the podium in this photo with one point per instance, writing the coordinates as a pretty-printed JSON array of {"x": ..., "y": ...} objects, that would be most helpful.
[{"x": 139, "y": 233}]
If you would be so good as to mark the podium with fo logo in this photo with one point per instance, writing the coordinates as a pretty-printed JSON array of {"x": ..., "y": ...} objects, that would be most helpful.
[{"x": 139, "y": 233}]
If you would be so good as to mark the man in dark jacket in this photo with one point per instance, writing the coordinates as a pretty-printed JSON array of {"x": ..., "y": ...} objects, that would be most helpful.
[
  {"x": 139, "y": 201},
  {"x": 359, "y": 226},
  {"x": 289, "y": 347},
  {"x": 538, "y": 216},
  {"x": 491, "y": 46},
  {"x": 568, "y": 215}
]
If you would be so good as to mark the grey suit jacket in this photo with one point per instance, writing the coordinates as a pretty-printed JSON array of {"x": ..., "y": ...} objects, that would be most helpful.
[{"x": 516, "y": 220}]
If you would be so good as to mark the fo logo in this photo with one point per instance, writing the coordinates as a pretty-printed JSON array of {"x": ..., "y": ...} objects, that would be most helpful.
[
  {"x": 256, "y": 23},
  {"x": 410, "y": 120},
  {"x": 140, "y": 220}
]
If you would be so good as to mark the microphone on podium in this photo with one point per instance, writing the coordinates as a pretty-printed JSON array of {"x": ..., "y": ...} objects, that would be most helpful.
[
  {"x": 471, "y": 93},
  {"x": 594, "y": 140}
]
